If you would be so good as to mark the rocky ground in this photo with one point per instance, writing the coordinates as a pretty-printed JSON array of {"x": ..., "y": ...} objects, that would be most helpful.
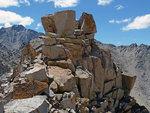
[
  {"x": 64, "y": 71},
  {"x": 134, "y": 59}
]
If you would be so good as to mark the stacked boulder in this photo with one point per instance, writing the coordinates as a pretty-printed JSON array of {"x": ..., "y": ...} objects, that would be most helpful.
[{"x": 64, "y": 71}]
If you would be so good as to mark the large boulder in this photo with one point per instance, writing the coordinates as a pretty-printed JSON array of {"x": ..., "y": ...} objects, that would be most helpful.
[
  {"x": 108, "y": 86},
  {"x": 63, "y": 78},
  {"x": 37, "y": 44},
  {"x": 48, "y": 23},
  {"x": 87, "y": 23},
  {"x": 29, "y": 89},
  {"x": 65, "y": 22},
  {"x": 38, "y": 72},
  {"x": 86, "y": 83},
  {"x": 48, "y": 41},
  {"x": 36, "y": 104},
  {"x": 63, "y": 63},
  {"x": 98, "y": 74},
  {"x": 88, "y": 63},
  {"x": 107, "y": 63},
  {"x": 73, "y": 40},
  {"x": 75, "y": 50},
  {"x": 128, "y": 81},
  {"x": 109, "y": 66},
  {"x": 54, "y": 52}
]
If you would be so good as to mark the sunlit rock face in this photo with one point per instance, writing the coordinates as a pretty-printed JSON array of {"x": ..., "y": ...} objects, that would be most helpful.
[{"x": 65, "y": 71}]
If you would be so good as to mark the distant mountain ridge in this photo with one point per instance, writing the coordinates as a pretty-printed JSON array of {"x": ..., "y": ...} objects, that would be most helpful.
[
  {"x": 13, "y": 37},
  {"x": 12, "y": 41},
  {"x": 135, "y": 60}
]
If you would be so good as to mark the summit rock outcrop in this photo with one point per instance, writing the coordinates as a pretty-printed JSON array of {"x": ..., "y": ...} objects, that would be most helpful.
[
  {"x": 134, "y": 59},
  {"x": 64, "y": 71}
]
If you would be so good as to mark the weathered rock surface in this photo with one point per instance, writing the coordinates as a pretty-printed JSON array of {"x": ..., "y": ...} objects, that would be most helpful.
[
  {"x": 86, "y": 81},
  {"x": 37, "y": 44},
  {"x": 128, "y": 81},
  {"x": 1, "y": 108},
  {"x": 98, "y": 74},
  {"x": 53, "y": 86},
  {"x": 36, "y": 104},
  {"x": 63, "y": 63},
  {"x": 63, "y": 78},
  {"x": 67, "y": 24},
  {"x": 48, "y": 23},
  {"x": 87, "y": 23},
  {"x": 134, "y": 59},
  {"x": 108, "y": 86},
  {"x": 54, "y": 52},
  {"x": 51, "y": 23},
  {"x": 38, "y": 72},
  {"x": 74, "y": 74},
  {"x": 47, "y": 40},
  {"x": 29, "y": 89},
  {"x": 118, "y": 82}
]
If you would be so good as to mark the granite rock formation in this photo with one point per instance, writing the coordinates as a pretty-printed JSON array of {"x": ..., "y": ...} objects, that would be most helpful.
[
  {"x": 64, "y": 71},
  {"x": 134, "y": 59}
]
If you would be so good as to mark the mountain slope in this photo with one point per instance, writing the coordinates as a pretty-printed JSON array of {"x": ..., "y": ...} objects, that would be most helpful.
[
  {"x": 12, "y": 41},
  {"x": 135, "y": 60}
]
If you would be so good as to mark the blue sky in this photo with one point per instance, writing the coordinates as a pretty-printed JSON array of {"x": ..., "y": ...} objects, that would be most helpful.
[{"x": 119, "y": 22}]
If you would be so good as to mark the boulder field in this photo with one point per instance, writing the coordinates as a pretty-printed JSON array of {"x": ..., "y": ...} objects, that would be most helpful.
[{"x": 64, "y": 71}]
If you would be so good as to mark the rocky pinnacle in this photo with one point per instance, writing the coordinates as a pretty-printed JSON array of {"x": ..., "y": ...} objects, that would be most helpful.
[{"x": 64, "y": 71}]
